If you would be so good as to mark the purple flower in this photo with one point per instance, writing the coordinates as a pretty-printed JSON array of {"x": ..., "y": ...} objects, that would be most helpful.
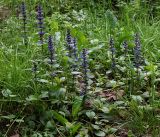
[
  {"x": 125, "y": 46},
  {"x": 75, "y": 49},
  {"x": 137, "y": 52},
  {"x": 113, "y": 50},
  {"x": 69, "y": 43},
  {"x": 40, "y": 23},
  {"x": 68, "y": 37},
  {"x": 85, "y": 70},
  {"x": 23, "y": 10},
  {"x": 34, "y": 70},
  {"x": 51, "y": 48},
  {"x": 24, "y": 18}
]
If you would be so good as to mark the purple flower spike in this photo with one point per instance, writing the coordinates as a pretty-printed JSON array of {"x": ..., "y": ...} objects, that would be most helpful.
[
  {"x": 137, "y": 52},
  {"x": 24, "y": 18},
  {"x": 23, "y": 10},
  {"x": 125, "y": 46},
  {"x": 40, "y": 23},
  {"x": 69, "y": 43},
  {"x": 75, "y": 49},
  {"x": 85, "y": 70},
  {"x": 51, "y": 48},
  {"x": 113, "y": 50}
]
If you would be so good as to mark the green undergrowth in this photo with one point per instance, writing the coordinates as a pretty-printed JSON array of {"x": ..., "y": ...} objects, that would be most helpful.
[{"x": 41, "y": 99}]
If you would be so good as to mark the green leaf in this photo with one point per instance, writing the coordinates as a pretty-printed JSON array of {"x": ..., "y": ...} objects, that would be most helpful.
[
  {"x": 90, "y": 114},
  {"x": 95, "y": 127},
  {"x": 19, "y": 120},
  {"x": 54, "y": 25},
  {"x": 137, "y": 98},
  {"x": 111, "y": 18},
  {"x": 8, "y": 117},
  {"x": 6, "y": 92},
  {"x": 75, "y": 73},
  {"x": 112, "y": 130},
  {"x": 76, "y": 107},
  {"x": 111, "y": 83},
  {"x": 44, "y": 94},
  {"x": 80, "y": 36},
  {"x": 100, "y": 134},
  {"x": 96, "y": 48},
  {"x": 105, "y": 109},
  {"x": 60, "y": 118},
  {"x": 74, "y": 128},
  {"x": 32, "y": 98},
  {"x": 50, "y": 125},
  {"x": 43, "y": 80}
]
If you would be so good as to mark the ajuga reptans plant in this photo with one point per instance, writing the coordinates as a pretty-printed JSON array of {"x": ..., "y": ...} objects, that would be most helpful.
[
  {"x": 40, "y": 24},
  {"x": 69, "y": 42},
  {"x": 74, "y": 54},
  {"x": 85, "y": 70},
  {"x": 75, "y": 49},
  {"x": 34, "y": 70},
  {"x": 51, "y": 49},
  {"x": 125, "y": 46},
  {"x": 24, "y": 18},
  {"x": 112, "y": 49},
  {"x": 137, "y": 52}
]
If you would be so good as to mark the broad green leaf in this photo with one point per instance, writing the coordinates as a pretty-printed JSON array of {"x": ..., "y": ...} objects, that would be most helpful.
[
  {"x": 137, "y": 98},
  {"x": 111, "y": 19},
  {"x": 105, "y": 109},
  {"x": 54, "y": 25},
  {"x": 19, "y": 120},
  {"x": 95, "y": 126},
  {"x": 50, "y": 125},
  {"x": 32, "y": 98},
  {"x": 6, "y": 92},
  {"x": 75, "y": 72},
  {"x": 100, "y": 134},
  {"x": 90, "y": 114},
  {"x": 43, "y": 80},
  {"x": 112, "y": 130}
]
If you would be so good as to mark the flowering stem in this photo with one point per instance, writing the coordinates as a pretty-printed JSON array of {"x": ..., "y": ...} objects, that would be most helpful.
[
  {"x": 40, "y": 25},
  {"x": 24, "y": 17},
  {"x": 85, "y": 77}
]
